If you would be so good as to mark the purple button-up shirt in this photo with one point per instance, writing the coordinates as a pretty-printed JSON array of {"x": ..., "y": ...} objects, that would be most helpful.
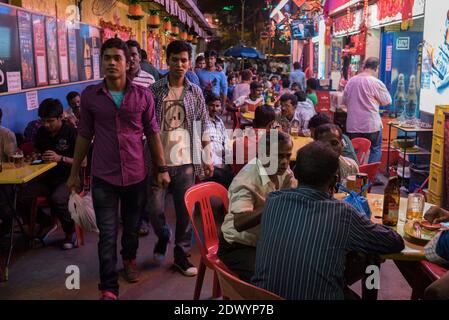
[{"x": 118, "y": 156}]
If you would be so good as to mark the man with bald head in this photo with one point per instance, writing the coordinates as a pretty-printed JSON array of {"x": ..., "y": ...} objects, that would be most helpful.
[{"x": 363, "y": 95}]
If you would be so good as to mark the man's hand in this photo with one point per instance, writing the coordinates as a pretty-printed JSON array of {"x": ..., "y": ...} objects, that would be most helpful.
[
  {"x": 163, "y": 180},
  {"x": 51, "y": 156},
  {"x": 74, "y": 183},
  {"x": 436, "y": 215},
  {"x": 208, "y": 170}
]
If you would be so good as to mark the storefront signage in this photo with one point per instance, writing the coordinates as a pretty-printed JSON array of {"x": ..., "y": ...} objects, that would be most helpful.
[
  {"x": 403, "y": 43},
  {"x": 348, "y": 23},
  {"x": 387, "y": 11}
]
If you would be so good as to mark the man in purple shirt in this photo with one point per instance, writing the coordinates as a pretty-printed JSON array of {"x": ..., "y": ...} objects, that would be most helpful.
[{"x": 116, "y": 113}]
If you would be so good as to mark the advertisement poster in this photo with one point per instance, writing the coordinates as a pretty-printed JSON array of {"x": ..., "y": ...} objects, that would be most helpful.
[
  {"x": 26, "y": 49},
  {"x": 435, "y": 65},
  {"x": 40, "y": 54},
  {"x": 63, "y": 54},
  {"x": 52, "y": 50},
  {"x": 73, "y": 61},
  {"x": 9, "y": 46},
  {"x": 95, "y": 51},
  {"x": 336, "y": 55},
  {"x": 84, "y": 50},
  {"x": 14, "y": 81}
]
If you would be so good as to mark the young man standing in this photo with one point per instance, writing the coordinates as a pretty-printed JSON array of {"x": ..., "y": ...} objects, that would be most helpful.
[
  {"x": 183, "y": 118},
  {"x": 297, "y": 76},
  {"x": 117, "y": 113},
  {"x": 135, "y": 72},
  {"x": 212, "y": 80}
]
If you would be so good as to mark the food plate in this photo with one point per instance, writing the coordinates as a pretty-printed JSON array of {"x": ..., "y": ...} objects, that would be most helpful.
[
  {"x": 426, "y": 224},
  {"x": 417, "y": 234}
]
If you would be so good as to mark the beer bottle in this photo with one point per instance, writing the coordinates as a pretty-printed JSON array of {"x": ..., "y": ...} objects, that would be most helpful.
[
  {"x": 412, "y": 99},
  {"x": 400, "y": 98},
  {"x": 392, "y": 195}
]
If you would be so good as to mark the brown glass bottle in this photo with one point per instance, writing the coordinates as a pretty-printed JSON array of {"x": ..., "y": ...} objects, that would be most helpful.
[{"x": 392, "y": 196}]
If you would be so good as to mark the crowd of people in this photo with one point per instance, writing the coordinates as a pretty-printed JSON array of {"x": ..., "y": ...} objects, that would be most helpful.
[{"x": 142, "y": 135}]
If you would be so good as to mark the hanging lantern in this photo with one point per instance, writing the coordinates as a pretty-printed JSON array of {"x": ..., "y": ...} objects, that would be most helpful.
[
  {"x": 190, "y": 38},
  {"x": 175, "y": 31},
  {"x": 183, "y": 35},
  {"x": 135, "y": 11},
  {"x": 154, "y": 21},
  {"x": 167, "y": 25}
]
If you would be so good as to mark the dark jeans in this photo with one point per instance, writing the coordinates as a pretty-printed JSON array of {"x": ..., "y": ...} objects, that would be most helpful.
[
  {"x": 222, "y": 175},
  {"x": 376, "y": 143},
  {"x": 106, "y": 200},
  {"x": 57, "y": 194},
  {"x": 239, "y": 258},
  {"x": 182, "y": 178},
  {"x": 6, "y": 212}
]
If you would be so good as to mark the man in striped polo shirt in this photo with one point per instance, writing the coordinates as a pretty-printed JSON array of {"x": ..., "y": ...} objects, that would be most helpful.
[{"x": 135, "y": 73}]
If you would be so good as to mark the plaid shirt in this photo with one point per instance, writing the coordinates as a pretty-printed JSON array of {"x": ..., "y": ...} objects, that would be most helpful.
[
  {"x": 219, "y": 138},
  {"x": 196, "y": 111}
]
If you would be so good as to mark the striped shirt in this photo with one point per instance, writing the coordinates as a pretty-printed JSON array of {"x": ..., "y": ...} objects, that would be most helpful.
[
  {"x": 305, "y": 236},
  {"x": 144, "y": 79},
  {"x": 219, "y": 140}
]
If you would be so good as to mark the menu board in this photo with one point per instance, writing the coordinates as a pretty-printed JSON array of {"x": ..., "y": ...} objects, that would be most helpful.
[
  {"x": 63, "y": 54},
  {"x": 52, "y": 50},
  {"x": 26, "y": 49},
  {"x": 73, "y": 60},
  {"x": 40, "y": 53}
]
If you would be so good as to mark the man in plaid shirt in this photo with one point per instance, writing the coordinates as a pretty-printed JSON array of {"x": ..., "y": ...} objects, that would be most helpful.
[{"x": 182, "y": 116}]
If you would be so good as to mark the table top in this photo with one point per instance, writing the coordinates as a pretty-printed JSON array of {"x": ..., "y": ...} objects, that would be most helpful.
[
  {"x": 407, "y": 129},
  {"x": 298, "y": 143},
  {"x": 12, "y": 175},
  {"x": 249, "y": 115}
]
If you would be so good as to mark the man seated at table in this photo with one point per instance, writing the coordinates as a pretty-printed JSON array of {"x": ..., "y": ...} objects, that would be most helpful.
[
  {"x": 332, "y": 135},
  {"x": 245, "y": 145},
  {"x": 55, "y": 140},
  {"x": 72, "y": 114},
  {"x": 306, "y": 234},
  {"x": 247, "y": 195},
  {"x": 287, "y": 117},
  {"x": 253, "y": 100},
  {"x": 348, "y": 149},
  {"x": 305, "y": 111}
]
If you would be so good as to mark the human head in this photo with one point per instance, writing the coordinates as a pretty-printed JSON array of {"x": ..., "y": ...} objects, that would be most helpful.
[
  {"x": 143, "y": 55},
  {"x": 115, "y": 58},
  {"x": 317, "y": 166},
  {"x": 285, "y": 83},
  {"x": 318, "y": 120},
  {"x": 264, "y": 117},
  {"x": 288, "y": 105},
  {"x": 211, "y": 58},
  {"x": 274, "y": 80},
  {"x": 312, "y": 84},
  {"x": 256, "y": 89},
  {"x": 232, "y": 80},
  {"x": 135, "y": 53},
  {"x": 74, "y": 102},
  {"x": 213, "y": 103},
  {"x": 296, "y": 65},
  {"x": 200, "y": 62},
  {"x": 278, "y": 151},
  {"x": 371, "y": 64},
  {"x": 247, "y": 75},
  {"x": 50, "y": 111},
  {"x": 179, "y": 54},
  {"x": 330, "y": 134},
  {"x": 301, "y": 95},
  {"x": 295, "y": 87}
]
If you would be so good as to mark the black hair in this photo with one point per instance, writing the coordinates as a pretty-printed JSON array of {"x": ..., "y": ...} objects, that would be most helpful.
[
  {"x": 301, "y": 95},
  {"x": 210, "y": 53},
  {"x": 50, "y": 108},
  {"x": 71, "y": 95},
  {"x": 143, "y": 54},
  {"x": 296, "y": 66},
  {"x": 320, "y": 131},
  {"x": 211, "y": 98},
  {"x": 134, "y": 44},
  {"x": 316, "y": 164},
  {"x": 255, "y": 85},
  {"x": 246, "y": 75},
  {"x": 296, "y": 84},
  {"x": 312, "y": 83},
  {"x": 199, "y": 58},
  {"x": 285, "y": 82},
  {"x": 274, "y": 76},
  {"x": 263, "y": 116},
  {"x": 118, "y": 44},
  {"x": 179, "y": 46},
  {"x": 282, "y": 139},
  {"x": 318, "y": 120},
  {"x": 291, "y": 97},
  {"x": 371, "y": 63}
]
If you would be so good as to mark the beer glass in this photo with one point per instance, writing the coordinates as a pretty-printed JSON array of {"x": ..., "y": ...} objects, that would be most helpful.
[{"x": 415, "y": 206}]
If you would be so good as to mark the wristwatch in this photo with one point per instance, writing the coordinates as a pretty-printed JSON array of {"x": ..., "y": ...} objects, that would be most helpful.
[{"x": 162, "y": 169}]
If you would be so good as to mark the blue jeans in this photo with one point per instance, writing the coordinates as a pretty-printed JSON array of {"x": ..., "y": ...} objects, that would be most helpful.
[
  {"x": 182, "y": 178},
  {"x": 106, "y": 198},
  {"x": 376, "y": 143}
]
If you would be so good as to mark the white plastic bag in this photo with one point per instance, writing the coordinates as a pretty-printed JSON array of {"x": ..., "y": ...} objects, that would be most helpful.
[{"x": 82, "y": 212}]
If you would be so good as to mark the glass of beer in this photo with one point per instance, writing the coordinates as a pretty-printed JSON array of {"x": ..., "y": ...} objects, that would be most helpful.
[
  {"x": 294, "y": 131},
  {"x": 415, "y": 206},
  {"x": 17, "y": 159}
]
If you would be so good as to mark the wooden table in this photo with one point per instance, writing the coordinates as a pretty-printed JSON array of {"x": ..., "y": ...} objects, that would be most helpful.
[
  {"x": 15, "y": 177},
  {"x": 298, "y": 143},
  {"x": 248, "y": 115}
]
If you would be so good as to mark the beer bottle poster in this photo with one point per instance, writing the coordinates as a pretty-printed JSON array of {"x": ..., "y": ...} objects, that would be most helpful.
[
  {"x": 73, "y": 63},
  {"x": 52, "y": 50},
  {"x": 62, "y": 48},
  {"x": 40, "y": 53},
  {"x": 84, "y": 53},
  {"x": 26, "y": 49}
]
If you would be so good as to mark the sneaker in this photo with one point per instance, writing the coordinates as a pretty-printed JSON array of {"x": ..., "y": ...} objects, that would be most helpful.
[
  {"x": 185, "y": 267},
  {"x": 143, "y": 230},
  {"x": 108, "y": 295},
  {"x": 130, "y": 272},
  {"x": 70, "y": 242},
  {"x": 161, "y": 248}
]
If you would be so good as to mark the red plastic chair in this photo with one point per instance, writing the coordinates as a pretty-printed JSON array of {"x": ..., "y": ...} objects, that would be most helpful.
[
  {"x": 361, "y": 146},
  {"x": 202, "y": 193},
  {"x": 371, "y": 170},
  {"x": 27, "y": 148},
  {"x": 236, "y": 289},
  {"x": 425, "y": 275}
]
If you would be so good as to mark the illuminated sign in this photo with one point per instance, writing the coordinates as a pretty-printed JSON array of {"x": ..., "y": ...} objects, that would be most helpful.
[{"x": 277, "y": 11}]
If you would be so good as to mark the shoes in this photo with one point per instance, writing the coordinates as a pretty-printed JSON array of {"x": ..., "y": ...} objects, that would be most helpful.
[
  {"x": 185, "y": 267},
  {"x": 108, "y": 295},
  {"x": 70, "y": 242},
  {"x": 130, "y": 272},
  {"x": 161, "y": 248},
  {"x": 144, "y": 230}
]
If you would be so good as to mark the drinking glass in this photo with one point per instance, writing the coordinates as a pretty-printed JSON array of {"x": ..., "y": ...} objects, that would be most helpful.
[{"x": 415, "y": 206}]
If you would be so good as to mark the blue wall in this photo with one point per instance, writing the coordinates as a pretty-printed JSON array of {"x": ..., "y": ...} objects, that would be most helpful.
[{"x": 14, "y": 106}]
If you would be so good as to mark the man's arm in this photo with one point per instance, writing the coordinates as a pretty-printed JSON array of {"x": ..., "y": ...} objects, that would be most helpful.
[
  {"x": 383, "y": 95},
  {"x": 224, "y": 88},
  {"x": 81, "y": 149},
  {"x": 205, "y": 140},
  {"x": 242, "y": 207}
]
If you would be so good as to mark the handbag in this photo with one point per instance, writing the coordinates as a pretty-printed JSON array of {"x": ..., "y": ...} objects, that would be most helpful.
[{"x": 356, "y": 200}]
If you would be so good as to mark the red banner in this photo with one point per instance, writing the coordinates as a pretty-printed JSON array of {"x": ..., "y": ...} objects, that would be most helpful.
[
  {"x": 344, "y": 23},
  {"x": 390, "y": 9}
]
